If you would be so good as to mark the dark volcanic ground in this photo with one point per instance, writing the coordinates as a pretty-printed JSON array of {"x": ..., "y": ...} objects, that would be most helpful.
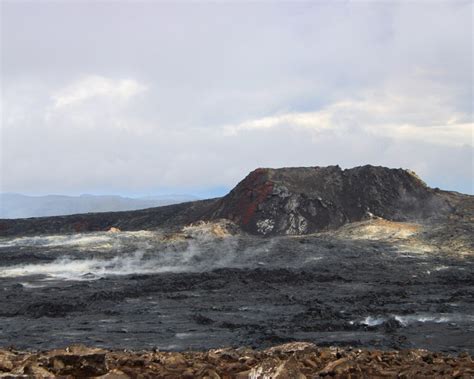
[{"x": 137, "y": 290}]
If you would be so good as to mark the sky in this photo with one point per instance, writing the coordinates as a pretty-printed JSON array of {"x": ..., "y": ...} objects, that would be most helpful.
[{"x": 139, "y": 98}]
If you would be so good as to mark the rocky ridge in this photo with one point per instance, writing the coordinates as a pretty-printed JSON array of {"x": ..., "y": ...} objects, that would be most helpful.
[
  {"x": 304, "y": 200},
  {"x": 286, "y": 201}
]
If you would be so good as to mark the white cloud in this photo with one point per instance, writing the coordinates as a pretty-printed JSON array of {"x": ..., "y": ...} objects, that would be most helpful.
[
  {"x": 447, "y": 135},
  {"x": 385, "y": 112},
  {"x": 190, "y": 97},
  {"x": 311, "y": 120},
  {"x": 94, "y": 86}
]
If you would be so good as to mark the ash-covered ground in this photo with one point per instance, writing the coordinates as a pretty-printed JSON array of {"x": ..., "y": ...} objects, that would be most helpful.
[{"x": 374, "y": 284}]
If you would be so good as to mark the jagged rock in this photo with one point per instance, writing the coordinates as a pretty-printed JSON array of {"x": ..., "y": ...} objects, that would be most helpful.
[
  {"x": 224, "y": 354},
  {"x": 36, "y": 371},
  {"x": 211, "y": 374},
  {"x": 338, "y": 367},
  {"x": 174, "y": 361},
  {"x": 114, "y": 374},
  {"x": 291, "y": 347},
  {"x": 276, "y": 369},
  {"x": 307, "y": 199},
  {"x": 294, "y": 360},
  {"x": 6, "y": 363},
  {"x": 78, "y": 361},
  {"x": 243, "y": 375}
]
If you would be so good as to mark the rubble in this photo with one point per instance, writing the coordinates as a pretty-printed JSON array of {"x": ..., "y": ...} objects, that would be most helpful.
[{"x": 297, "y": 360}]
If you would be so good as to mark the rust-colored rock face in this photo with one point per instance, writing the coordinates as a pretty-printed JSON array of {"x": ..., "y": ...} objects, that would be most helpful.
[
  {"x": 81, "y": 226},
  {"x": 308, "y": 199},
  {"x": 255, "y": 190}
]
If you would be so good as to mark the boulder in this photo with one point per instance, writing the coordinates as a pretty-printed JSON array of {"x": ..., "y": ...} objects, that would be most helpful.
[{"x": 78, "y": 361}]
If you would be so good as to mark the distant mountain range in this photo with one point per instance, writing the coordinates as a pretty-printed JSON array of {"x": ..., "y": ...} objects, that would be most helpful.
[{"x": 14, "y": 205}]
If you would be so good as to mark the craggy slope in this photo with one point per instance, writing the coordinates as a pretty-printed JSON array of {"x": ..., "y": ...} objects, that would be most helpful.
[
  {"x": 286, "y": 201},
  {"x": 308, "y": 199}
]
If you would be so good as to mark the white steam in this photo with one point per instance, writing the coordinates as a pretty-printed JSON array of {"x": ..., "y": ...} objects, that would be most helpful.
[
  {"x": 96, "y": 255},
  {"x": 95, "y": 241},
  {"x": 406, "y": 320}
]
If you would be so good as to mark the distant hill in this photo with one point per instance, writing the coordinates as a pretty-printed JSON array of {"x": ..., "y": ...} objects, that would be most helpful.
[{"x": 14, "y": 205}]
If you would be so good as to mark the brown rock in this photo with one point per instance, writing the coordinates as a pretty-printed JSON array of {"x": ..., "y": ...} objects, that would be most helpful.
[
  {"x": 114, "y": 374},
  {"x": 227, "y": 354},
  {"x": 276, "y": 369},
  {"x": 291, "y": 347},
  {"x": 174, "y": 361},
  {"x": 243, "y": 374},
  {"x": 37, "y": 371},
  {"x": 277, "y": 363},
  {"x": 327, "y": 354},
  {"x": 337, "y": 367},
  {"x": 188, "y": 374},
  {"x": 78, "y": 361},
  {"x": 249, "y": 361},
  {"x": 211, "y": 374},
  {"x": 6, "y": 364},
  {"x": 233, "y": 367},
  {"x": 388, "y": 373},
  {"x": 310, "y": 363}
]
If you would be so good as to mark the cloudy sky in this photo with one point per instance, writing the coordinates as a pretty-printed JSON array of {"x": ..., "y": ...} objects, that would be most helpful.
[{"x": 138, "y": 98}]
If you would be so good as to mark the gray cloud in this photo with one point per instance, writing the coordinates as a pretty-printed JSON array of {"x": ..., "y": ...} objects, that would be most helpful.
[{"x": 131, "y": 97}]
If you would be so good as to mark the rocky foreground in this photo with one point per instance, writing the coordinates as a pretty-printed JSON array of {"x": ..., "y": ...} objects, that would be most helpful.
[{"x": 292, "y": 360}]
